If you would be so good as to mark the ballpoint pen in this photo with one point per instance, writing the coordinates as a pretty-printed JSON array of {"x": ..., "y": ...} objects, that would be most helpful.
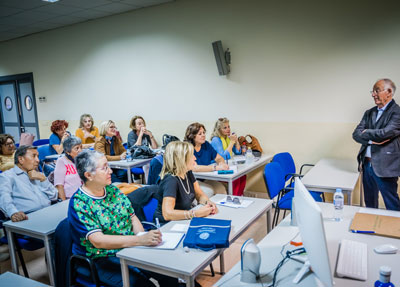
[{"x": 158, "y": 223}]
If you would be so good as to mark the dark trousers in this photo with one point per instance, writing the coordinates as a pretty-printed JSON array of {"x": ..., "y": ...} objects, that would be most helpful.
[
  {"x": 119, "y": 175},
  {"x": 386, "y": 185},
  {"x": 109, "y": 271}
]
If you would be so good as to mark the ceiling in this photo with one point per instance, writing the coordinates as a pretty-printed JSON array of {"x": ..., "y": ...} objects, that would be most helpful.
[{"x": 24, "y": 17}]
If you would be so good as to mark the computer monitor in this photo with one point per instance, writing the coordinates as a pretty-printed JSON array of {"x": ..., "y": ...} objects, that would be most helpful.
[{"x": 310, "y": 222}]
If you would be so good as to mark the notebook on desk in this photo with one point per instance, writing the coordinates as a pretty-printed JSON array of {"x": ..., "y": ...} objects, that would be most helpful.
[
  {"x": 170, "y": 240},
  {"x": 376, "y": 224}
]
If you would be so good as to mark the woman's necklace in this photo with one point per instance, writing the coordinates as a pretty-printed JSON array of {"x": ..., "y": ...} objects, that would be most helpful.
[{"x": 184, "y": 188}]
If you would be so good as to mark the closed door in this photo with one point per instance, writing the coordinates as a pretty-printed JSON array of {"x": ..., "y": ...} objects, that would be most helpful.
[{"x": 18, "y": 106}]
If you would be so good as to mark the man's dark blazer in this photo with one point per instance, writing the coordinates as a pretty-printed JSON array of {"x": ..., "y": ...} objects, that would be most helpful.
[{"x": 385, "y": 158}]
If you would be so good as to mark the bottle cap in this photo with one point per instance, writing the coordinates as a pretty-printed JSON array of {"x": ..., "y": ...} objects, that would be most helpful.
[
  {"x": 338, "y": 190},
  {"x": 385, "y": 270}
]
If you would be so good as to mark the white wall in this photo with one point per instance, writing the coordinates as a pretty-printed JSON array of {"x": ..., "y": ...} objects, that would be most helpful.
[{"x": 301, "y": 70}]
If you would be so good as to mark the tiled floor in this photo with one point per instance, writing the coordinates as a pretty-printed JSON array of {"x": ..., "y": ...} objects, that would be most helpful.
[{"x": 37, "y": 267}]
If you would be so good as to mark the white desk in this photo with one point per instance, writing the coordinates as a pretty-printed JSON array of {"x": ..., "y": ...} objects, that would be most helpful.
[
  {"x": 329, "y": 174},
  {"x": 124, "y": 164},
  {"x": 11, "y": 279},
  {"x": 335, "y": 231},
  {"x": 177, "y": 263},
  {"x": 53, "y": 156},
  {"x": 41, "y": 224},
  {"x": 242, "y": 169}
]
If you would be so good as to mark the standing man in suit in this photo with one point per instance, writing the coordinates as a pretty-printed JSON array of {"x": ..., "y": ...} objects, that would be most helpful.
[{"x": 379, "y": 156}]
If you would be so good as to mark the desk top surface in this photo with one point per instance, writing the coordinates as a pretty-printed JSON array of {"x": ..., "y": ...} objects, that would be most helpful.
[
  {"x": 331, "y": 174},
  {"x": 241, "y": 169},
  {"x": 43, "y": 221},
  {"x": 127, "y": 164},
  {"x": 335, "y": 231},
  {"x": 189, "y": 263},
  {"x": 11, "y": 279}
]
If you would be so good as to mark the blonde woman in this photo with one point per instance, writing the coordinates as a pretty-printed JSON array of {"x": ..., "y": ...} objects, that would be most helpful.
[
  {"x": 111, "y": 146},
  {"x": 87, "y": 132},
  {"x": 223, "y": 141},
  {"x": 179, "y": 188}
]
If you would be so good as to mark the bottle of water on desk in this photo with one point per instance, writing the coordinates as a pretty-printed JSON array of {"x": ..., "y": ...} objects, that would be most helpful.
[
  {"x": 249, "y": 156},
  {"x": 384, "y": 277},
  {"x": 338, "y": 202},
  {"x": 128, "y": 155}
]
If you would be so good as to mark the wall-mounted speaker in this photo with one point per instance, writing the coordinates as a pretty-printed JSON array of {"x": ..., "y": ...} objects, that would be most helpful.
[{"x": 223, "y": 58}]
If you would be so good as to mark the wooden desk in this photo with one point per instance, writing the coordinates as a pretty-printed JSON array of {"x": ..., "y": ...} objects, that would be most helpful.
[
  {"x": 178, "y": 263},
  {"x": 41, "y": 225},
  {"x": 242, "y": 169},
  {"x": 271, "y": 246},
  {"x": 329, "y": 174}
]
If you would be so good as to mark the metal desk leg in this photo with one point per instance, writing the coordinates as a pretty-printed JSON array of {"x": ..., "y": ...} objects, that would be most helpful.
[
  {"x": 125, "y": 273},
  {"x": 129, "y": 175},
  {"x": 50, "y": 265},
  {"x": 268, "y": 215},
  {"x": 230, "y": 187},
  {"x": 13, "y": 255},
  {"x": 189, "y": 281},
  {"x": 222, "y": 263}
]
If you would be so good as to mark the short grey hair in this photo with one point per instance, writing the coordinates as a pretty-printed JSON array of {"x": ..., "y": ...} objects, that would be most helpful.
[
  {"x": 21, "y": 152},
  {"x": 70, "y": 142},
  {"x": 389, "y": 82},
  {"x": 87, "y": 161}
]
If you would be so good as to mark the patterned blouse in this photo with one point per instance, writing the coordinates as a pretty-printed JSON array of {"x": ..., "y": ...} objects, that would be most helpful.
[{"x": 110, "y": 214}]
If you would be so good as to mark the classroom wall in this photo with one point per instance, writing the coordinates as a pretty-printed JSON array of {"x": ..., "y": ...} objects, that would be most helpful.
[{"x": 300, "y": 80}]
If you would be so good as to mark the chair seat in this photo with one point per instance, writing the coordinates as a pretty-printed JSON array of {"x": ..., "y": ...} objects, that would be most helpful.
[
  {"x": 26, "y": 243},
  {"x": 137, "y": 170},
  {"x": 286, "y": 201}
]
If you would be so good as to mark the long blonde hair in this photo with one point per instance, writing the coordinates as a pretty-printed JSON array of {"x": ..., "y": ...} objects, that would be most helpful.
[
  {"x": 176, "y": 156},
  {"x": 218, "y": 127}
]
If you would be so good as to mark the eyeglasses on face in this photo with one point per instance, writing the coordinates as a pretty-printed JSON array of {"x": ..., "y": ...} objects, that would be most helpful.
[
  {"x": 377, "y": 91},
  {"x": 9, "y": 143},
  {"x": 234, "y": 200},
  {"x": 104, "y": 168}
]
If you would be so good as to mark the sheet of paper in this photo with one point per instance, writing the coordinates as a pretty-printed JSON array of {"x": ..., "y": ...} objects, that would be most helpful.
[
  {"x": 180, "y": 227},
  {"x": 378, "y": 211},
  {"x": 243, "y": 203},
  {"x": 170, "y": 240}
]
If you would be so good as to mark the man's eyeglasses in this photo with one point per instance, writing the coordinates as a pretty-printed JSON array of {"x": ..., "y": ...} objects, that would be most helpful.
[
  {"x": 231, "y": 199},
  {"x": 377, "y": 91}
]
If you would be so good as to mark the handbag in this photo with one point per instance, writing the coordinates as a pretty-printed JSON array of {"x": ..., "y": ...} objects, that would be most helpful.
[
  {"x": 166, "y": 139},
  {"x": 254, "y": 144},
  {"x": 208, "y": 233},
  {"x": 141, "y": 152}
]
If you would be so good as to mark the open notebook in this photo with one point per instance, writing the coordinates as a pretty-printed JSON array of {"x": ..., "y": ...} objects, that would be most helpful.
[{"x": 170, "y": 240}]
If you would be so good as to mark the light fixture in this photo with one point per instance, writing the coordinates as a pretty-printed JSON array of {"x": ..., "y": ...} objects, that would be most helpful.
[{"x": 50, "y": 1}]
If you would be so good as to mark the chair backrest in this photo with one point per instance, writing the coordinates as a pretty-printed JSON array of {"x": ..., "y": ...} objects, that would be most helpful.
[
  {"x": 274, "y": 178},
  {"x": 149, "y": 209},
  {"x": 286, "y": 161},
  {"x": 155, "y": 169},
  {"x": 44, "y": 151},
  {"x": 41, "y": 142},
  {"x": 125, "y": 145}
]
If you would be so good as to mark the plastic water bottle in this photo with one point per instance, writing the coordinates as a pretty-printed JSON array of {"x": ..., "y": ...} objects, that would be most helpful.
[
  {"x": 244, "y": 149},
  {"x": 128, "y": 155},
  {"x": 338, "y": 202},
  {"x": 384, "y": 277},
  {"x": 249, "y": 156}
]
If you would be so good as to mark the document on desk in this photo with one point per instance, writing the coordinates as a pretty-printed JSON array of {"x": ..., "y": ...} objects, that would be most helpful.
[
  {"x": 170, "y": 240},
  {"x": 376, "y": 224},
  {"x": 243, "y": 203}
]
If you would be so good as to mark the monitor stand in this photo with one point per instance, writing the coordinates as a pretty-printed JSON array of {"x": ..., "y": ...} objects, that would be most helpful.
[{"x": 304, "y": 269}]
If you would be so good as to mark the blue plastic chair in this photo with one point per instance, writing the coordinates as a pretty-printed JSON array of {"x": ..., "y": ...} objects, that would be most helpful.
[
  {"x": 286, "y": 161},
  {"x": 43, "y": 150},
  {"x": 41, "y": 142},
  {"x": 274, "y": 178}
]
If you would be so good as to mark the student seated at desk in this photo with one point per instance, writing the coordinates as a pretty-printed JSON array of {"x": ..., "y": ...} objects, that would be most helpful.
[
  {"x": 87, "y": 132},
  {"x": 111, "y": 146},
  {"x": 179, "y": 188},
  {"x": 103, "y": 222},
  {"x": 207, "y": 158},
  {"x": 227, "y": 144},
  {"x": 7, "y": 150},
  {"x": 140, "y": 135},
  {"x": 66, "y": 178},
  {"x": 23, "y": 189}
]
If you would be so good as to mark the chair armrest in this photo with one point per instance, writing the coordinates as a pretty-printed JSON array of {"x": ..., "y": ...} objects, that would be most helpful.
[
  {"x": 292, "y": 175},
  {"x": 78, "y": 260},
  {"x": 306, "y": 164}
]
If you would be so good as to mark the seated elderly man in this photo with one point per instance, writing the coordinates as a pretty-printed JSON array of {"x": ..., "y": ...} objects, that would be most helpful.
[{"x": 22, "y": 188}]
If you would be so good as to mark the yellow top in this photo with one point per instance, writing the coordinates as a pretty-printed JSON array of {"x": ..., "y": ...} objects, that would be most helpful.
[
  {"x": 6, "y": 162},
  {"x": 80, "y": 134}
]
